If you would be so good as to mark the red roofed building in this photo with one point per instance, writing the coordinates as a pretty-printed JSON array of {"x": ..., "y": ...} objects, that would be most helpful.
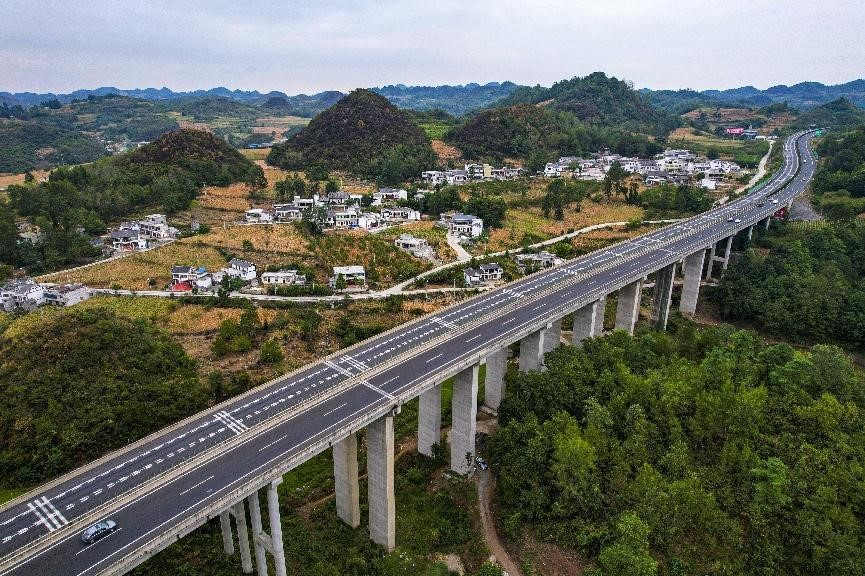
[
  {"x": 735, "y": 131},
  {"x": 181, "y": 287}
]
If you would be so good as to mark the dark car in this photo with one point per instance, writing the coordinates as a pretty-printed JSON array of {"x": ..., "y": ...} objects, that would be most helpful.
[{"x": 98, "y": 531}]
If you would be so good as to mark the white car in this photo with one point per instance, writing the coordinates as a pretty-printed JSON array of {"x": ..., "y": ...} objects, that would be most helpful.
[
  {"x": 737, "y": 221},
  {"x": 774, "y": 200}
]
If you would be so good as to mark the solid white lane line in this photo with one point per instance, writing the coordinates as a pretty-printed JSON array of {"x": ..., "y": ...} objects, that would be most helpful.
[
  {"x": 434, "y": 357},
  {"x": 100, "y": 540},
  {"x": 194, "y": 486}
]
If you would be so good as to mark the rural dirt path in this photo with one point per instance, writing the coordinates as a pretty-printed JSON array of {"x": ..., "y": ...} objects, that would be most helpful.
[{"x": 486, "y": 485}]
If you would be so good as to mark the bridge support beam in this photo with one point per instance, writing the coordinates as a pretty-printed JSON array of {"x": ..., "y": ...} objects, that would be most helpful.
[
  {"x": 345, "y": 480},
  {"x": 750, "y": 232},
  {"x": 429, "y": 431},
  {"x": 227, "y": 536},
  {"x": 379, "y": 466},
  {"x": 692, "y": 271},
  {"x": 589, "y": 321},
  {"x": 463, "y": 420},
  {"x": 239, "y": 511},
  {"x": 553, "y": 336},
  {"x": 727, "y": 249},
  {"x": 275, "y": 527},
  {"x": 532, "y": 351},
  {"x": 663, "y": 295},
  {"x": 257, "y": 533},
  {"x": 494, "y": 383},
  {"x": 628, "y": 306}
]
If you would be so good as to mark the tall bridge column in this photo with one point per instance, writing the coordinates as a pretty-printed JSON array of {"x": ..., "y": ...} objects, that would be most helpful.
[
  {"x": 379, "y": 466},
  {"x": 750, "y": 232},
  {"x": 766, "y": 222},
  {"x": 227, "y": 536},
  {"x": 663, "y": 295},
  {"x": 429, "y": 430},
  {"x": 463, "y": 418},
  {"x": 257, "y": 533},
  {"x": 494, "y": 383},
  {"x": 553, "y": 336},
  {"x": 628, "y": 306},
  {"x": 239, "y": 511},
  {"x": 693, "y": 272},
  {"x": 710, "y": 266},
  {"x": 726, "y": 260},
  {"x": 532, "y": 351},
  {"x": 345, "y": 480},
  {"x": 584, "y": 322},
  {"x": 275, "y": 527}
]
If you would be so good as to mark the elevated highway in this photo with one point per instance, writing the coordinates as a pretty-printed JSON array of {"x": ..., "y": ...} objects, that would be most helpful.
[{"x": 215, "y": 463}]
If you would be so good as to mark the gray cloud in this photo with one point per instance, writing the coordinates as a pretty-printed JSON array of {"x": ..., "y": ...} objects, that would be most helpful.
[{"x": 307, "y": 46}]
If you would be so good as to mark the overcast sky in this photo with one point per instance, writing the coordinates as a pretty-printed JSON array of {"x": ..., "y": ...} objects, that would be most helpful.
[{"x": 308, "y": 46}]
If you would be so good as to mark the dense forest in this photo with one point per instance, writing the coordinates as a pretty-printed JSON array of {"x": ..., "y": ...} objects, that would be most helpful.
[
  {"x": 839, "y": 183},
  {"x": 100, "y": 382},
  {"x": 539, "y": 134},
  {"x": 166, "y": 174},
  {"x": 599, "y": 99},
  {"x": 697, "y": 451},
  {"x": 362, "y": 133},
  {"x": 801, "y": 283}
]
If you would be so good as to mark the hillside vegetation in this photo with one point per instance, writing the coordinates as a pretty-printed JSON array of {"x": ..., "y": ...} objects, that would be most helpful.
[
  {"x": 538, "y": 134},
  {"x": 599, "y": 99},
  {"x": 839, "y": 183},
  {"x": 362, "y": 133},
  {"x": 166, "y": 174},
  {"x": 810, "y": 286},
  {"x": 101, "y": 382},
  {"x": 838, "y": 114},
  {"x": 702, "y": 451}
]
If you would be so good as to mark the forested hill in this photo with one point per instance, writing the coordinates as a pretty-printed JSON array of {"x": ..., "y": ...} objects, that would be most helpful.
[
  {"x": 456, "y": 100},
  {"x": 598, "y": 99},
  {"x": 164, "y": 175},
  {"x": 363, "y": 133},
  {"x": 840, "y": 113},
  {"x": 537, "y": 134}
]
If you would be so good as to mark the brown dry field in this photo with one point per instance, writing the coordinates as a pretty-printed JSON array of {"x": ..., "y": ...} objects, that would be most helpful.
[
  {"x": 7, "y": 180},
  {"x": 446, "y": 152},
  {"x": 135, "y": 271},
  {"x": 522, "y": 222}
]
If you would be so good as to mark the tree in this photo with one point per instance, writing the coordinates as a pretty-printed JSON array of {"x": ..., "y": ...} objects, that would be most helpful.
[
  {"x": 614, "y": 178},
  {"x": 271, "y": 352},
  {"x": 331, "y": 186},
  {"x": 629, "y": 555},
  {"x": 490, "y": 209}
]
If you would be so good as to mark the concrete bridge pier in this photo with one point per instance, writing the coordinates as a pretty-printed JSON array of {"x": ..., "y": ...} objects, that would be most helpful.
[
  {"x": 710, "y": 266},
  {"x": 628, "y": 306},
  {"x": 692, "y": 272},
  {"x": 494, "y": 383},
  {"x": 750, "y": 232},
  {"x": 589, "y": 321},
  {"x": 239, "y": 513},
  {"x": 726, "y": 260},
  {"x": 429, "y": 431},
  {"x": 227, "y": 536},
  {"x": 532, "y": 351},
  {"x": 663, "y": 295},
  {"x": 379, "y": 467},
  {"x": 345, "y": 480},
  {"x": 464, "y": 420},
  {"x": 766, "y": 222},
  {"x": 553, "y": 336}
]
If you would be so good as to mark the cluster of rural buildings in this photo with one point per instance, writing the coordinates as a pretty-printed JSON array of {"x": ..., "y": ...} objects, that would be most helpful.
[
  {"x": 671, "y": 166},
  {"x": 470, "y": 173},
  {"x": 492, "y": 272},
  {"x": 340, "y": 210},
  {"x": 197, "y": 278},
  {"x": 25, "y": 294}
]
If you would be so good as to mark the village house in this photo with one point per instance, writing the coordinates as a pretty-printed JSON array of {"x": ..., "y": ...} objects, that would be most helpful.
[
  {"x": 533, "y": 262},
  {"x": 127, "y": 239},
  {"x": 384, "y": 195},
  {"x": 459, "y": 224},
  {"x": 155, "y": 227},
  {"x": 456, "y": 177},
  {"x": 66, "y": 294},
  {"x": 21, "y": 294},
  {"x": 242, "y": 269},
  {"x": 417, "y": 247},
  {"x": 337, "y": 198},
  {"x": 287, "y": 212},
  {"x": 399, "y": 214},
  {"x": 290, "y": 277},
  {"x": 433, "y": 177},
  {"x": 257, "y": 216},
  {"x": 303, "y": 203},
  {"x": 184, "y": 278},
  {"x": 353, "y": 276},
  {"x": 483, "y": 274}
]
